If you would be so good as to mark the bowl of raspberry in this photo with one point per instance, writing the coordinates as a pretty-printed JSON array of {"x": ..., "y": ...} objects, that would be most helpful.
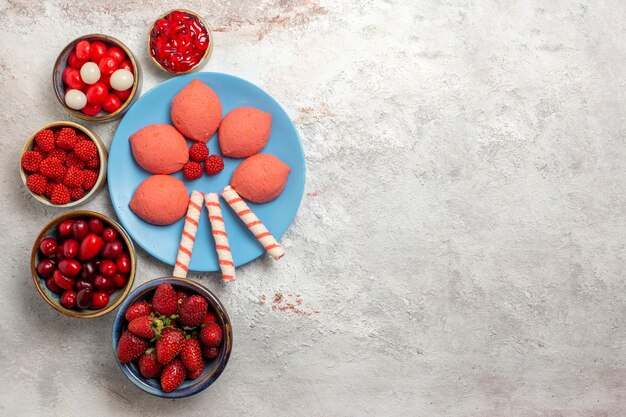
[
  {"x": 83, "y": 264},
  {"x": 96, "y": 78},
  {"x": 172, "y": 337},
  {"x": 63, "y": 164}
]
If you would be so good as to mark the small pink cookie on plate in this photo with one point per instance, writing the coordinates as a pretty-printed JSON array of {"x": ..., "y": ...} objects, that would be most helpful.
[
  {"x": 196, "y": 111},
  {"x": 159, "y": 149},
  {"x": 160, "y": 200},
  {"x": 244, "y": 132},
  {"x": 260, "y": 178}
]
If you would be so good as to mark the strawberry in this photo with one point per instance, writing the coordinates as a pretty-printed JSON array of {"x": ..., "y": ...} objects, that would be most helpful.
[
  {"x": 192, "y": 311},
  {"x": 169, "y": 345},
  {"x": 211, "y": 335},
  {"x": 149, "y": 367},
  {"x": 130, "y": 347},
  {"x": 191, "y": 355},
  {"x": 182, "y": 296},
  {"x": 214, "y": 164},
  {"x": 209, "y": 318},
  {"x": 66, "y": 138},
  {"x": 73, "y": 160},
  {"x": 173, "y": 375},
  {"x": 37, "y": 183},
  {"x": 192, "y": 170},
  {"x": 52, "y": 168},
  {"x": 45, "y": 140},
  {"x": 210, "y": 352},
  {"x": 60, "y": 194},
  {"x": 73, "y": 177},
  {"x": 89, "y": 179},
  {"x": 31, "y": 161},
  {"x": 60, "y": 154},
  {"x": 165, "y": 300},
  {"x": 139, "y": 309},
  {"x": 195, "y": 374},
  {"x": 85, "y": 150},
  {"x": 144, "y": 326},
  {"x": 76, "y": 193},
  {"x": 93, "y": 163},
  {"x": 198, "y": 152}
]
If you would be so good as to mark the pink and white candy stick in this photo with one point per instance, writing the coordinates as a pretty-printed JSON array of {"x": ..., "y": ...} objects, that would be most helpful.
[
  {"x": 188, "y": 237},
  {"x": 218, "y": 228},
  {"x": 253, "y": 223}
]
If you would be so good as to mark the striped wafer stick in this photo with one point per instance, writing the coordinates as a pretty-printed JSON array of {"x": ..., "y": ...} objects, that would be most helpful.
[
  {"x": 253, "y": 223},
  {"x": 188, "y": 237},
  {"x": 218, "y": 228}
]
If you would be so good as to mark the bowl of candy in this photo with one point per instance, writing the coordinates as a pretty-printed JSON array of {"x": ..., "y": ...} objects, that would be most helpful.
[
  {"x": 179, "y": 41},
  {"x": 96, "y": 78}
]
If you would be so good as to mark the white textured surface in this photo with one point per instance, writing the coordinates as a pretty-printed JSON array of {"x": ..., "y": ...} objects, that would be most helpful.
[{"x": 460, "y": 248}]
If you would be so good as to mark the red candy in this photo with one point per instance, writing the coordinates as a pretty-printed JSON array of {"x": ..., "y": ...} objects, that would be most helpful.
[
  {"x": 116, "y": 53},
  {"x": 72, "y": 79},
  {"x": 178, "y": 41},
  {"x": 123, "y": 95},
  {"x": 97, "y": 93},
  {"x": 91, "y": 109},
  {"x": 111, "y": 103},
  {"x": 83, "y": 50},
  {"x": 107, "y": 65},
  {"x": 74, "y": 62},
  {"x": 98, "y": 51}
]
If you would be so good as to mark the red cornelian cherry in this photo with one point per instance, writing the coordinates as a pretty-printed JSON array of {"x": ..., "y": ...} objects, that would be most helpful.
[
  {"x": 73, "y": 80},
  {"x": 125, "y": 64},
  {"x": 123, "y": 95}
]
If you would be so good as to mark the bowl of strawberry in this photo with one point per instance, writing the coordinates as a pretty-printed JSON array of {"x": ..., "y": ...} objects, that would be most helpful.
[
  {"x": 172, "y": 337},
  {"x": 83, "y": 264},
  {"x": 63, "y": 164},
  {"x": 96, "y": 78}
]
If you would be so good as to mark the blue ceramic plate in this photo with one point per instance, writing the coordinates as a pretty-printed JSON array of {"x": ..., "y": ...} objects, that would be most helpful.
[{"x": 125, "y": 174}]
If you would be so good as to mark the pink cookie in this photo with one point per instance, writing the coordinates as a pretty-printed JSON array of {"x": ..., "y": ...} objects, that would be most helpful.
[
  {"x": 244, "y": 132},
  {"x": 260, "y": 178},
  {"x": 159, "y": 149},
  {"x": 160, "y": 200},
  {"x": 196, "y": 111}
]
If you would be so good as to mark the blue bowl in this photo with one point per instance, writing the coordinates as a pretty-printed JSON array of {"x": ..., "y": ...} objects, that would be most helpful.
[{"x": 213, "y": 368}]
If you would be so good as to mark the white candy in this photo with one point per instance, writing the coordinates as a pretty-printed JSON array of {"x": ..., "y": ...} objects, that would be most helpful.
[
  {"x": 75, "y": 99},
  {"x": 90, "y": 73},
  {"x": 122, "y": 79}
]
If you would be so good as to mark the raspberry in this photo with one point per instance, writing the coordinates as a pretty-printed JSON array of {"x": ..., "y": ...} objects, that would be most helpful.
[
  {"x": 74, "y": 161},
  {"x": 76, "y": 193},
  {"x": 85, "y": 150},
  {"x": 48, "y": 192},
  {"x": 60, "y": 194},
  {"x": 45, "y": 140},
  {"x": 198, "y": 152},
  {"x": 52, "y": 168},
  {"x": 37, "y": 183},
  {"x": 60, "y": 154},
  {"x": 93, "y": 163},
  {"x": 66, "y": 138},
  {"x": 37, "y": 149},
  {"x": 192, "y": 170},
  {"x": 31, "y": 161},
  {"x": 89, "y": 179},
  {"x": 214, "y": 165},
  {"x": 73, "y": 177}
]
